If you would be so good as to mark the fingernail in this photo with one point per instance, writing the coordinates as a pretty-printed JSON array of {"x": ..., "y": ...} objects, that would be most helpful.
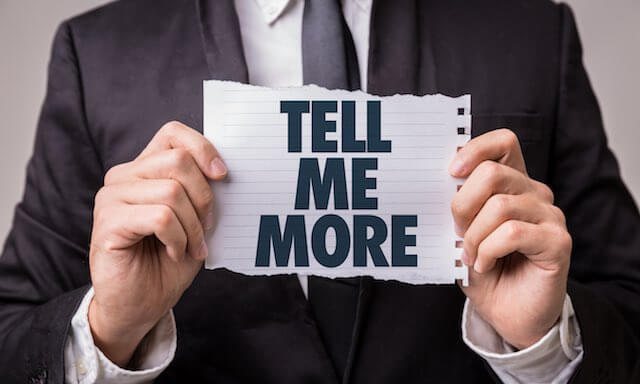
[
  {"x": 203, "y": 251},
  {"x": 476, "y": 268},
  {"x": 457, "y": 167},
  {"x": 218, "y": 168}
]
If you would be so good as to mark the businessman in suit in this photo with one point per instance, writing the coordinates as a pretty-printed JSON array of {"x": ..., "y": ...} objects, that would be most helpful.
[{"x": 101, "y": 277}]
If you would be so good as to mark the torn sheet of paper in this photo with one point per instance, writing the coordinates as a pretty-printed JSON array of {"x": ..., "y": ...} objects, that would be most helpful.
[{"x": 335, "y": 183}]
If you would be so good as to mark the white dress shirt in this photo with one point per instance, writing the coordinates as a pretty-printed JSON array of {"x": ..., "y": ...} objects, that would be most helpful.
[{"x": 271, "y": 35}]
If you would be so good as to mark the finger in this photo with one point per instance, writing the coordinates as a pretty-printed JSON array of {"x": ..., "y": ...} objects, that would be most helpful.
[
  {"x": 480, "y": 283},
  {"x": 139, "y": 221},
  {"x": 500, "y": 145},
  {"x": 530, "y": 240},
  {"x": 164, "y": 192},
  {"x": 177, "y": 135},
  {"x": 488, "y": 178},
  {"x": 175, "y": 164},
  {"x": 497, "y": 210}
]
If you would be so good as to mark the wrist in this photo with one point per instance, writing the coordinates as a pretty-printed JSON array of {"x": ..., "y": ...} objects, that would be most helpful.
[
  {"x": 519, "y": 337},
  {"x": 527, "y": 341},
  {"x": 116, "y": 341}
]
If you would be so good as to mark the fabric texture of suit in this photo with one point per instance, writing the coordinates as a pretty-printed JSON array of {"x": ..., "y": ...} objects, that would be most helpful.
[{"x": 118, "y": 73}]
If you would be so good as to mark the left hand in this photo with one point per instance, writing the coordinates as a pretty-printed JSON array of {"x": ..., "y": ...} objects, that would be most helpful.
[{"x": 516, "y": 241}]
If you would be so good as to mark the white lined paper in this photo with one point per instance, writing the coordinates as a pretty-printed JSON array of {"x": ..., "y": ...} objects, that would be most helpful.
[{"x": 248, "y": 129}]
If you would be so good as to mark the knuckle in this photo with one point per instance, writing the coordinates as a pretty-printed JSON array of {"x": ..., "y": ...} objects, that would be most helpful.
[
  {"x": 100, "y": 200},
  {"x": 546, "y": 192},
  {"x": 549, "y": 195},
  {"x": 514, "y": 230},
  {"x": 106, "y": 222},
  {"x": 509, "y": 138},
  {"x": 560, "y": 243},
  {"x": 501, "y": 204},
  {"x": 491, "y": 171},
  {"x": 482, "y": 252},
  {"x": 457, "y": 207},
  {"x": 565, "y": 240},
  {"x": 171, "y": 127},
  {"x": 172, "y": 191},
  {"x": 111, "y": 175},
  {"x": 557, "y": 212},
  {"x": 98, "y": 215},
  {"x": 179, "y": 158},
  {"x": 163, "y": 217},
  {"x": 462, "y": 215},
  {"x": 488, "y": 167},
  {"x": 471, "y": 241}
]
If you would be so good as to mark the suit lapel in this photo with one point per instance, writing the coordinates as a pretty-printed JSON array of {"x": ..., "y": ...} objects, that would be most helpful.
[
  {"x": 400, "y": 52},
  {"x": 221, "y": 40}
]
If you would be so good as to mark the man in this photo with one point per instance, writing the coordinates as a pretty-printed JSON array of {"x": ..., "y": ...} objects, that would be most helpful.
[{"x": 110, "y": 180}]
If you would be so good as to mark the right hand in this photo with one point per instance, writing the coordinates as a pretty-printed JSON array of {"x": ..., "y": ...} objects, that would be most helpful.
[{"x": 147, "y": 242}]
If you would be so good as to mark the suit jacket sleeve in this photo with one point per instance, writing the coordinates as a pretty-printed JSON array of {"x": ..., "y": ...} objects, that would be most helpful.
[
  {"x": 604, "y": 222},
  {"x": 44, "y": 266}
]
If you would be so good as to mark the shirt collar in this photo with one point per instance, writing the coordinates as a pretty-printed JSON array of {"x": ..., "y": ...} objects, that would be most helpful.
[{"x": 273, "y": 9}]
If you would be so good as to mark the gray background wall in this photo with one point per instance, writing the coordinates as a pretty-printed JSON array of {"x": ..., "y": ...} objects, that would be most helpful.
[{"x": 609, "y": 29}]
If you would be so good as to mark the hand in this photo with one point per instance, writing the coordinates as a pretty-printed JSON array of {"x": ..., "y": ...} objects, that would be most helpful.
[
  {"x": 515, "y": 239},
  {"x": 147, "y": 242}
]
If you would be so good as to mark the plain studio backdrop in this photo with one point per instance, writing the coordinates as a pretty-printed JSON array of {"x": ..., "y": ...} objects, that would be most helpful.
[{"x": 609, "y": 31}]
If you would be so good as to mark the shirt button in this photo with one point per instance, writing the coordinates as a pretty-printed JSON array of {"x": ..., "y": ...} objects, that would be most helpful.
[{"x": 82, "y": 368}]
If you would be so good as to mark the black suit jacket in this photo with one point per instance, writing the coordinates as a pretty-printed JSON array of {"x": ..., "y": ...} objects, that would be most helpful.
[{"x": 118, "y": 73}]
